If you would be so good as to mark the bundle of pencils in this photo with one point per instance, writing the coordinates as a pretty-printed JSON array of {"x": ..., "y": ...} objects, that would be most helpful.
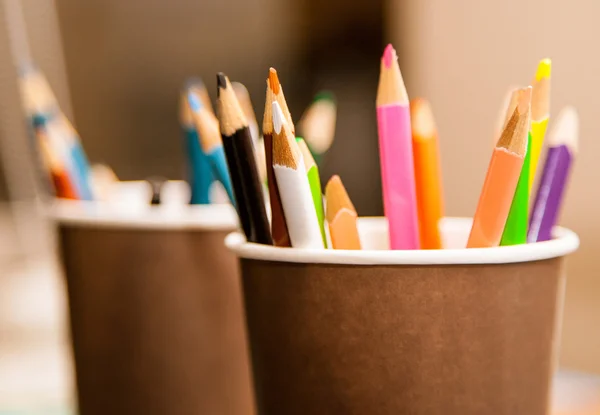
[
  {"x": 302, "y": 217},
  {"x": 57, "y": 142}
]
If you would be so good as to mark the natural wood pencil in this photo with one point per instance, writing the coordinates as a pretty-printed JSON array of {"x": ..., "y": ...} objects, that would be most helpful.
[
  {"x": 296, "y": 197},
  {"x": 275, "y": 94},
  {"x": 341, "y": 216},
  {"x": 237, "y": 143},
  {"x": 502, "y": 177}
]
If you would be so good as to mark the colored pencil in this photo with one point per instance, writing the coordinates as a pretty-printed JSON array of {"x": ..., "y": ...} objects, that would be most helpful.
[
  {"x": 275, "y": 94},
  {"x": 314, "y": 181},
  {"x": 515, "y": 229},
  {"x": 504, "y": 113},
  {"x": 341, "y": 216},
  {"x": 61, "y": 181},
  {"x": 295, "y": 192},
  {"x": 396, "y": 155},
  {"x": 502, "y": 177},
  {"x": 540, "y": 112},
  {"x": 562, "y": 149},
  {"x": 428, "y": 174},
  {"x": 243, "y": 96},
  {"x": 317, "y": 124},
  {"x": 80, "y": 161},
  {"x": 210, "y": 141},
  {"x": 197, "y": 86},
  {"x": 239, "y": 153},
  {"x": 200, "y": 176}
]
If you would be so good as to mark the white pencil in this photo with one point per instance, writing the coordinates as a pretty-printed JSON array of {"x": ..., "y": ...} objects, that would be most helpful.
[{"x": 294, "y": 190}]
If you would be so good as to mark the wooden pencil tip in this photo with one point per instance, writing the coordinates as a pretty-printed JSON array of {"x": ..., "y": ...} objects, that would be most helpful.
[
  {"x": 274, "y": 80},
  {"x": 337, "y": 198},
  {"x": 278, "y": 118},
  {"x": 221, "y": 82},
  {"x": 544, "y": 69},
  {"x": 422, "y": 120},
  {"x": 524, "y": 101},
  {"x": 389, "y": 55}
]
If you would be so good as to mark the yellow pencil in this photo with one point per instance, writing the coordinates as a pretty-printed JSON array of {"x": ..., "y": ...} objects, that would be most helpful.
[{"x": 540, "y": 112}]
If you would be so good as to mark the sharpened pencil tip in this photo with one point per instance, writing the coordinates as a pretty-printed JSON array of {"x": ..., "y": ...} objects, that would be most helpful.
[
  {"x": 277, "y": 117},
  {"x": 221, "y": 82},
  {"x": 544, "y": 69},
  {"x": 524, "y": 99},
  {"x": 274, "y": 81},
  {"x": 389, "y": 54}
]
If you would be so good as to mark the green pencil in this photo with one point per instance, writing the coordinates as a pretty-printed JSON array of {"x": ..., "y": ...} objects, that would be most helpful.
[
  {"x": 314, "y": 181},
  {"x": 515, "y": 229}
]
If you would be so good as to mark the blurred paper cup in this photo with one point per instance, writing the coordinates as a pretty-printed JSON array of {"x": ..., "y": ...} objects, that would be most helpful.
[
  {"x": 155, "y": 305},
  {"x": 453, "y": 332}
]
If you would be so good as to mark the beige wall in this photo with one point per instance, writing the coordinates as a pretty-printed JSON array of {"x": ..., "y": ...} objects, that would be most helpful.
[{"x": 463, "y": 55}]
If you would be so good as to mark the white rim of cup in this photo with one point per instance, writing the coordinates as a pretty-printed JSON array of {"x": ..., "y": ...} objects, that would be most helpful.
[
  {"x": 121, "y": 214},
  {"x": 565, "y": 242}
]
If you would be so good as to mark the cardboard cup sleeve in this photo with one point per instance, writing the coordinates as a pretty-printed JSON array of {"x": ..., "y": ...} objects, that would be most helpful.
[
  {"x": 155, "y": 306},
  {"x": 453, "y": 331}
]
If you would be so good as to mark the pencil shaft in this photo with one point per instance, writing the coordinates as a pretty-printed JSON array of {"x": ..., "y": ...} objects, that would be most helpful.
[
  {"x": 278, "y": 224},
  {"x": 515, "y": 229},
  {"x": 549, "y": 197},
  {"x": 428, "y": 179},
  {"x": 495, "y": 199},
  {"x": 398, "y": 175},
  {"x": 218, "y": 165},
  {"x": 314, "y": 181},
  {"x": 200, "y": 176},
  {"x": 538, "y": 132},
  {"x": 246, "y": 186}
]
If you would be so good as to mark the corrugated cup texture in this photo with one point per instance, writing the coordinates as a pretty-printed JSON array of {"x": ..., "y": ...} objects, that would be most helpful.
[
  {"x": 403, "y": 339},
  {"x": 156, "y": 322}
]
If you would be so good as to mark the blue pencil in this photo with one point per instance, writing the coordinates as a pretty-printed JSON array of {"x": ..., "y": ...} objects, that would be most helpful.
[
  {"x": 200, "y": 176},
  {"x": 210, "y": 139}
]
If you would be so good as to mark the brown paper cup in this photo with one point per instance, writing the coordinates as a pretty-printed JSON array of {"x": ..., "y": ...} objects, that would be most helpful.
[
  {"x": 452, "y": 332},
  {"x": 155, "y": 306}
]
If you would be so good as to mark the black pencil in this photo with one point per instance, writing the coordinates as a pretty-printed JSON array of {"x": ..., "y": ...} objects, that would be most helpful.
[{"x": 237, "y": 143}]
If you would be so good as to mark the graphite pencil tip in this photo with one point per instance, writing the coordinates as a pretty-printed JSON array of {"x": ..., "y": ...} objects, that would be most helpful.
[{"x": 221, "y": 82}]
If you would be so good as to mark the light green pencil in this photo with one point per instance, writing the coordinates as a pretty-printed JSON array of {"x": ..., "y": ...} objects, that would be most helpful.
[{"x": 314, "y": 181}]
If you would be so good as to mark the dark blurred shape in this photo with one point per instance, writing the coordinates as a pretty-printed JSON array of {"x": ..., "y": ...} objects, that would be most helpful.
[{"x": 156, "y": 183}]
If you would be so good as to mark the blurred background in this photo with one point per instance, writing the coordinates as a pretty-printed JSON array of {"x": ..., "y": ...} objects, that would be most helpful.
[{"x": 117, "y": 68}]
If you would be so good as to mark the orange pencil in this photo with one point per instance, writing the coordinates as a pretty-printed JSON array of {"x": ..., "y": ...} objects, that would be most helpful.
[
  {"x": 502, "y": 177},
  {"x": 63, "y": 187},
  {"x": 428, "y": 174},
  {"x": 341, "y": 216}
]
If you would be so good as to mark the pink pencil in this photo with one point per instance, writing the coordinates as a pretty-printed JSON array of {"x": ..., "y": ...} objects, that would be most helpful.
[{"x": 396, "y": 155}]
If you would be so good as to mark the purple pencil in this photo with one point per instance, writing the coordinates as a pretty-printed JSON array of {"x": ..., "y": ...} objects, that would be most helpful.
[{"x": 562, "y": 149}]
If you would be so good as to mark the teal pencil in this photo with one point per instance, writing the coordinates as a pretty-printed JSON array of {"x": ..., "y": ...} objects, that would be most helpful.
[
  {"x": 207, "y": 127},
  {"x": 200, "y": 177}
]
